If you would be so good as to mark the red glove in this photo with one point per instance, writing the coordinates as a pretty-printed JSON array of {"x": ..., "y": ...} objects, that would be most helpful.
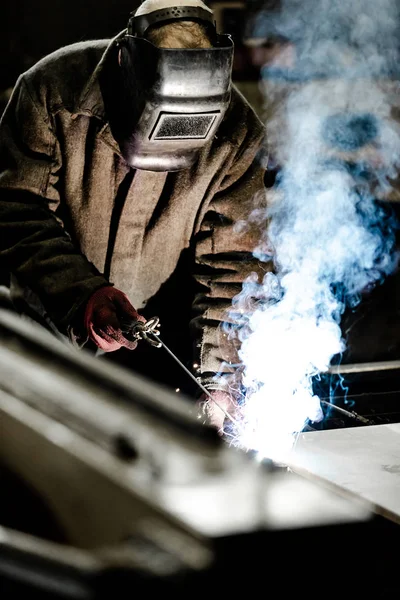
[{"x": 106, "y": 309}]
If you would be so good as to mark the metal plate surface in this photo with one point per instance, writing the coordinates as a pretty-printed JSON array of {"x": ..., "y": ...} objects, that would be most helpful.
[{"x": 359, "y": 460}]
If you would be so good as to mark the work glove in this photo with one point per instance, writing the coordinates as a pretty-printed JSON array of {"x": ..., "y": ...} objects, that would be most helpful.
[
  {"x": 107, "y": 310},
  {"x": 218, "y": 408}
]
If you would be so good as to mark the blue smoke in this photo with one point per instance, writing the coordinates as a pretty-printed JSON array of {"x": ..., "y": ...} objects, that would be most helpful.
[
  {"x": 330, "y": 116},
  {"x": 323, "y": 32}
]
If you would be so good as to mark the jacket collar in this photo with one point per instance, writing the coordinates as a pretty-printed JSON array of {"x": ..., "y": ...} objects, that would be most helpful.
[{"x": 91, "y": 102}]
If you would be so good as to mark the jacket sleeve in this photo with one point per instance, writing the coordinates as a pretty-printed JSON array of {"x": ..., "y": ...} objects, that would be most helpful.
[
  {"x": 34, "y": 246},
  {"x": 225, "y": 247}
]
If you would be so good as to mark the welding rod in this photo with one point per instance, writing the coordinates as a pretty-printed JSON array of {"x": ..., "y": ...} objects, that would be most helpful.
[
  {"x": 227, "y": 415},
  {"x": 353, "y": 415}
]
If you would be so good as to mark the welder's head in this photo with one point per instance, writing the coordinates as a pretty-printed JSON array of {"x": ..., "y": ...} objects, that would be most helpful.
[
  {"x": 176, "y": 72},
  {"x": 182, "y": 30},
  {"x": 182, "y": 34}
]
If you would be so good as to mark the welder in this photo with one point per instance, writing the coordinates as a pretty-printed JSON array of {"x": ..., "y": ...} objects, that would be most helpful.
[{"x": 128, "y": 168}]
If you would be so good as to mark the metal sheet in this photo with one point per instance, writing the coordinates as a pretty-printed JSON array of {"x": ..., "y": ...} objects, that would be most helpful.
[{"x": 358, "y": 460}]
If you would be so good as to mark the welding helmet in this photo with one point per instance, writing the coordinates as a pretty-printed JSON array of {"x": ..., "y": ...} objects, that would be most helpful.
[{"x": 174, "y": 99}]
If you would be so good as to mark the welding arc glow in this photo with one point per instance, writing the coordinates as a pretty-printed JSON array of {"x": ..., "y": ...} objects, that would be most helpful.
[{"x": 330, "y": 236}]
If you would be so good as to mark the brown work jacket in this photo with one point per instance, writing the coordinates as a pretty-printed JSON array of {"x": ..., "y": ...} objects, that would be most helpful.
[{"x": 56, "y": 144}]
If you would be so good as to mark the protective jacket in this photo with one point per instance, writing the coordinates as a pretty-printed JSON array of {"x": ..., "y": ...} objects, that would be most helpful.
[{"x": 74, "y": 216}]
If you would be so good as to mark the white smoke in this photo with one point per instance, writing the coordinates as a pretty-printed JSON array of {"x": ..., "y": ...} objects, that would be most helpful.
[{"x": 334, "y": 137}]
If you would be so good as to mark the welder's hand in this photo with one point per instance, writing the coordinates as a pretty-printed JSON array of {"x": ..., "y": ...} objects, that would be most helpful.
[
  {"x": 218, "y": 408},
  {"x": 105, "y": 311}
]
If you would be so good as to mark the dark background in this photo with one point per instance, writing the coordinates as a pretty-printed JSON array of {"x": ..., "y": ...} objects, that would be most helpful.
[{"x": 30, "y": 30}]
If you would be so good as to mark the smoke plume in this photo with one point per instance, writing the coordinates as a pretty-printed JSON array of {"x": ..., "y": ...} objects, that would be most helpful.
[{"x": 330, "y": 117}]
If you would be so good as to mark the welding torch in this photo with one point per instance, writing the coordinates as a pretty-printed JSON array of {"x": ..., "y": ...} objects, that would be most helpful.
[{"x": 149, "y": 331}]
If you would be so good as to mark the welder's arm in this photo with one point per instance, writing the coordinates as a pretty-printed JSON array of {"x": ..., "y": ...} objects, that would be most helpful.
[
  {"x": 224, "y": 256},
  {"x": 34, "y": 245}
]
